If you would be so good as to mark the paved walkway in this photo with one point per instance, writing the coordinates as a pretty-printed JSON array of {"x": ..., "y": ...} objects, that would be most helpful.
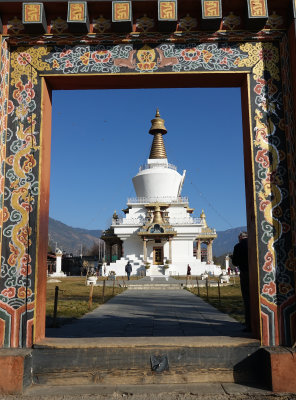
[{"x": 156, "y": 313}]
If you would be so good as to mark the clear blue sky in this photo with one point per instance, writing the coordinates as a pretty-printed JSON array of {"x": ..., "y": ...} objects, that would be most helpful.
[{"x": 100, "y": 138}]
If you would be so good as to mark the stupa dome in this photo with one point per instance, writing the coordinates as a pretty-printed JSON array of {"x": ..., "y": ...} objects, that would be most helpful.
[{"x": 158, "y": 180}]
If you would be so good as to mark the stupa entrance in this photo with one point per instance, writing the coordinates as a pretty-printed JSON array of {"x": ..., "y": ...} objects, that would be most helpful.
[
  {"x": 158, "y": 255},
  {"x": 39, "y": 52}
]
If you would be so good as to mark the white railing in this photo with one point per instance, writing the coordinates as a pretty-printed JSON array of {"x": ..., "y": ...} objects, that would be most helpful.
[
  {"x": 129, "y": 221},
  {"x": 163, "y": 199},
  {"x": 181, "y": 221},
  {"x": 142, "y": 220},
  {"x": 149, "y": 166},
  {"x": 213, "y": 232}
]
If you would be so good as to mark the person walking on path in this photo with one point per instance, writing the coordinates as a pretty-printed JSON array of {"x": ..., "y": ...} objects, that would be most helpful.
[
  {"x": 240, "y": 259},
  {"x": 128, "y": 270},
  {"x": 188, "y": 272}
]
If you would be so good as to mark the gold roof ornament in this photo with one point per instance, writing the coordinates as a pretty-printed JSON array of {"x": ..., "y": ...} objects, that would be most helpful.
[
  {"x": 157, "y": 129},
  {"x": 158, "y": 228},
  {"x": 115, "y": 216},
  {"x": 203, "y": 218},
  {"x": 157, "y": 217}
]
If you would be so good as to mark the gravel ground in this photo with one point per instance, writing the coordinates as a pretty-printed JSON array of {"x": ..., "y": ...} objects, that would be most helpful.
[
  {"x": 160, "y": 396},
  {"x": 157, "y": 396}
]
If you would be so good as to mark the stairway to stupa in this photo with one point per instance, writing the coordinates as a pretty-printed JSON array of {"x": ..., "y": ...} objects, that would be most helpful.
[{"x": 155, "y": 282}]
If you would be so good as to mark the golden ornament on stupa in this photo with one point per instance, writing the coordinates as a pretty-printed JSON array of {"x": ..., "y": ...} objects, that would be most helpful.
[
  {"x": 157, "y": 130},
  {"x": 157, "y": 218}
]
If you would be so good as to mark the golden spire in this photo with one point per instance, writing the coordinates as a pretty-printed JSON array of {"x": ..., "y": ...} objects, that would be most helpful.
[{"x": 157, "y": 129}]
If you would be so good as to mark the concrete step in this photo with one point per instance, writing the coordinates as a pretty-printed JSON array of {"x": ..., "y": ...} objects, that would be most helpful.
[
  {"x": 155, "y": 286},
  {"x": 115, "y": 361}
]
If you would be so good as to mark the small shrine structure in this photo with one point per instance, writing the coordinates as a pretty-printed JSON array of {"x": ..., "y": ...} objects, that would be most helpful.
[{"x": 206, "y": 236}]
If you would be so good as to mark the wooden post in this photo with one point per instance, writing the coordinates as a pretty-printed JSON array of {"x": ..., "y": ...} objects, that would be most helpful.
[
  {"x": 55, "y": 307},
  {"x": 207, "y": 286},
  {"x": 90, "y": 296},
  {"x": 103, "y": 295},
  {"x": 197, "y": 285},
  {"x": 219, "y": 293}
]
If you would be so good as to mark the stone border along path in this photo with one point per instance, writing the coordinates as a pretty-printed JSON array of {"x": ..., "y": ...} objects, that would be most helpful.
[
  {"x": 146, "y": 282},
  {"x": 153, "y": 313}
]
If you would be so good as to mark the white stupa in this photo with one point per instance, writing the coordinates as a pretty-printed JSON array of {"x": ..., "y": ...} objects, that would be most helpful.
[{"x": 158, "y": 230}]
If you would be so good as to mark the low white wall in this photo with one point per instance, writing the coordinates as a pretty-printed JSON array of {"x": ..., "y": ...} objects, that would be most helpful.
[{"x": 176, "y": 268}]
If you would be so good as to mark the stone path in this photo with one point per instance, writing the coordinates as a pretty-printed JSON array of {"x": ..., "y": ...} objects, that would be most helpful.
[{"x": 140, "y": 313}]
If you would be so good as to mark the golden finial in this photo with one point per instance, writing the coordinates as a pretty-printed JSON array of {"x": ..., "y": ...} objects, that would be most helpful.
[
  {"x": 203, "y": 218},
  {"x": 157, "y": 129},
  {"x": 157, "y": 125},
  {"x": 157, "y": 218},
  {"x": 115, "y": 216}
]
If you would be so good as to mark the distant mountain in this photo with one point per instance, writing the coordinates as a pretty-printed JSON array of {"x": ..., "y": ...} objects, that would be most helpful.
[
  {"x": 71, "y": 239},
  {"x": 226, "y": 240}
]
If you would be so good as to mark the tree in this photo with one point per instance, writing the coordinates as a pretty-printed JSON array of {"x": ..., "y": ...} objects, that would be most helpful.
[
  {"x": 95, "y": 250},
  {"x": 221, "y": 260}
]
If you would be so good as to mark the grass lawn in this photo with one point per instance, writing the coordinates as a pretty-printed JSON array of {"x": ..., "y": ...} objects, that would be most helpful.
[
  {"x": 74, "y": 298},
  {"x": 231, "y": 302}
]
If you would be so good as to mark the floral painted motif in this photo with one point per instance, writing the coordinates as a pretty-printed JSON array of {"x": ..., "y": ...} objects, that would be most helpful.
[
  {"x": 84, "y": 59},
  {"x": 101, "y": 56},
  {"x": 192, "y": 54},
  {"x": 146, "y": 56},
  {"x": 109, "y": 59}
]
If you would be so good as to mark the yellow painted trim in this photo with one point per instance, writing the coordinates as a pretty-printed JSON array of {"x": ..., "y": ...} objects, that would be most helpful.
[
  {"x": 255, "y": 204},
  {"x": 148, "y": 73},
  {"x": 4, "y": 167}
]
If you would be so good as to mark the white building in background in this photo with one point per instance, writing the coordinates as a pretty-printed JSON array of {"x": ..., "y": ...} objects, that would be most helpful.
[{"x": 158, "y": 230}]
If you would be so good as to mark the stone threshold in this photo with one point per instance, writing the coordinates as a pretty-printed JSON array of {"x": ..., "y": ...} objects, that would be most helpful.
[{"x": 147, "y": 342}]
